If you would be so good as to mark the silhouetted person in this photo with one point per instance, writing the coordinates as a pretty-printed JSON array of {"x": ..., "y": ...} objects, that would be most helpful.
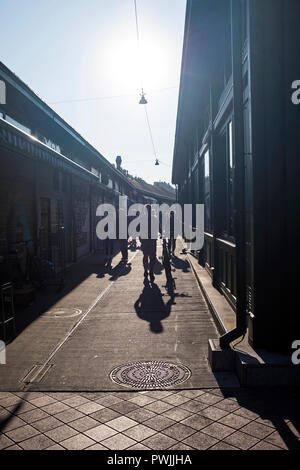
[
  {"x": 109, "y": 249},
  {"x": 123, "y": 242},
  {"x": 172, "y": 239},
  {"x": 124, "y": 249},
  {"x": 148, "y": 246}
]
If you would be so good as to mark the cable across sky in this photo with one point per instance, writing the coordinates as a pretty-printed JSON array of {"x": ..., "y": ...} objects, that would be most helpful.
[
  {"x": 97, "y": 98},
  {"x": 143, "y": 100}
]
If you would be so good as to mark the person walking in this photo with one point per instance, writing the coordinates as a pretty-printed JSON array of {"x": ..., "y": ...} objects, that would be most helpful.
[
  {"x": 148, "y": 247},
  {"x": 124, "y": 250},
  {"x": 123, "y": 242},
  {"x": 109, "y": 249},
  {"x": 172, "y": 239}
]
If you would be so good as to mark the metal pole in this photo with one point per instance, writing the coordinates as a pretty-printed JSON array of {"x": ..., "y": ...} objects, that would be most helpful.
[{"x": 239, "y": 175}]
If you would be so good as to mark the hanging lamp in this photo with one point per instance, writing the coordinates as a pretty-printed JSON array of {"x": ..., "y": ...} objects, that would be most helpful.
[{"x": 143, "y": 99}]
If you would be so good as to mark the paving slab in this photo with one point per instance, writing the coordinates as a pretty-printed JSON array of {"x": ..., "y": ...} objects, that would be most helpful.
[{"x": 174, "y": 429}]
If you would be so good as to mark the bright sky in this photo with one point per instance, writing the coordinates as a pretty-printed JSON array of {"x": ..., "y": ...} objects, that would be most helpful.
[{"x": 76, "y": 49}]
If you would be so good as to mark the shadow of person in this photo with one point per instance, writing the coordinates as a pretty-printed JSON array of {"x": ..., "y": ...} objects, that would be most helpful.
[
  {"x": 180, "y": 264},
  {"x": 150, "y": 307},
  {"x": 158, "y": 267},
  {"x": 5, "y": 420},
  {"x": 275, "y": 410},
  {"x": 156, "y": 326},
  {"x": 119, "y": 270},
  {"x": 101, "y": 272}
]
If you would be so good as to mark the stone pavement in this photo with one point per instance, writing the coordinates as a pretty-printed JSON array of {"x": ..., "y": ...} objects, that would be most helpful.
[
  {"x": 104, "y": 318},
  {"x": 208, "y": 419}
]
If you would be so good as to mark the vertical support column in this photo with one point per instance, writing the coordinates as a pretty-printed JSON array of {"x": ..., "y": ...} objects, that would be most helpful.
[
  {"x": 291, "y": 64},
  {"x": 259, "y": 174},
  {"x": 73, "y": 238},
  {"x": 215, "y": 193},
  {"x": 37, "y": 240},
  {"x": 267, "y": 71},
  {"x": 239, "y": 173}
]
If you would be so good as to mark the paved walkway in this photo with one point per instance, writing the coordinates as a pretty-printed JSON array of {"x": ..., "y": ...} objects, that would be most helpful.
[
  {"x": 105, "y": 319},
  {"x": 186, "y": 420},
  {"x": 70, "y": 341}
]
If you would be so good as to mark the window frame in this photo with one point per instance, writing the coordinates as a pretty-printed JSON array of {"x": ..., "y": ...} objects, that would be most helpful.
[{"x": 228, "y": 225}]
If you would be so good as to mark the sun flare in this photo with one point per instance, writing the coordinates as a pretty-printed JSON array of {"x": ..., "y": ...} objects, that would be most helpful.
[{"x": 131, "y": 66}]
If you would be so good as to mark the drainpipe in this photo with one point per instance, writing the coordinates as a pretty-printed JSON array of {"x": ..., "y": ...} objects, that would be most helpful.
[{"x": 239, "y": 173}]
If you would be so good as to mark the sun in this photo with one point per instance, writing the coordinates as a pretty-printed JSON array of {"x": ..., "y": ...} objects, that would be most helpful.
[{"x": 130, "y": 66}]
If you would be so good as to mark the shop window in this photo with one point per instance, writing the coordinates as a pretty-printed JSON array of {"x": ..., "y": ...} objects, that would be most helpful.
[
  {"x": 230, "y": 181},
  {"x": 228, "y": 163},
  {"x": 207, "y": 191}
]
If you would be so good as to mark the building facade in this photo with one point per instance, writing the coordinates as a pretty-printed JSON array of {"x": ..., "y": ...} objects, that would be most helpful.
[
  {"x": 52, "y": 181},
  {"x": 237, "y": 152}
]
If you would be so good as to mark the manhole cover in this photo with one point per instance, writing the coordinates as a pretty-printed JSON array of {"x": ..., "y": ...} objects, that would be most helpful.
[
  {"x": 64, "y": 312},
  {"x": 150, "y": 374}
]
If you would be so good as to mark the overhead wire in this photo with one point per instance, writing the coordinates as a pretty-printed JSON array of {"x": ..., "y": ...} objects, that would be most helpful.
[
  {"x": 150, "y": 132},
  {"x": 96, "y": 98},
  {"x": 138, "y": 41},
  {"x": 141, "y": 77},
  {"x": 78, "y": 100}
]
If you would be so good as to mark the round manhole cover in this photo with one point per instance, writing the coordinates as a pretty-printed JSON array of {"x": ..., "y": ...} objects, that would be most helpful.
[
  {"x": 150, "y": 374},
  {"x": 64, "y": 312}
]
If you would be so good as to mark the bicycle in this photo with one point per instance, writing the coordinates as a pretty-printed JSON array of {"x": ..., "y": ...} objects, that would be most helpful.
[
  {"x": 38, "y": 271},
  {"x": 166, "y": 260},
  {"x": 43, "y": 274}
]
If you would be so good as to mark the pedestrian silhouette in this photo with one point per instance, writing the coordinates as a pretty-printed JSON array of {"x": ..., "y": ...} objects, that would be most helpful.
[
  {"x": 150, "y": 306},
  {"x": 148, "y": 247}
]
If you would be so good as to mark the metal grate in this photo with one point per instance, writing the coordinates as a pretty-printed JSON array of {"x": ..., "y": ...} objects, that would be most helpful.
[
  {"x": 150, "y": 374},
  {"x": 36, "y": 373},
  {"x": 63, "y": 312}
]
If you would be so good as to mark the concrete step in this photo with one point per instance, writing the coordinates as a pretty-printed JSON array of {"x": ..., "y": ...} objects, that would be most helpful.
[{"x": 254, "y": 368}]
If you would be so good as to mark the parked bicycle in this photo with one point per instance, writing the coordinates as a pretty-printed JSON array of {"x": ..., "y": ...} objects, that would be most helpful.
[
  {"x": 166, "y": 260},
  {"x": 42, "y": 273},
  {"x": 39, "y": 272}
]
